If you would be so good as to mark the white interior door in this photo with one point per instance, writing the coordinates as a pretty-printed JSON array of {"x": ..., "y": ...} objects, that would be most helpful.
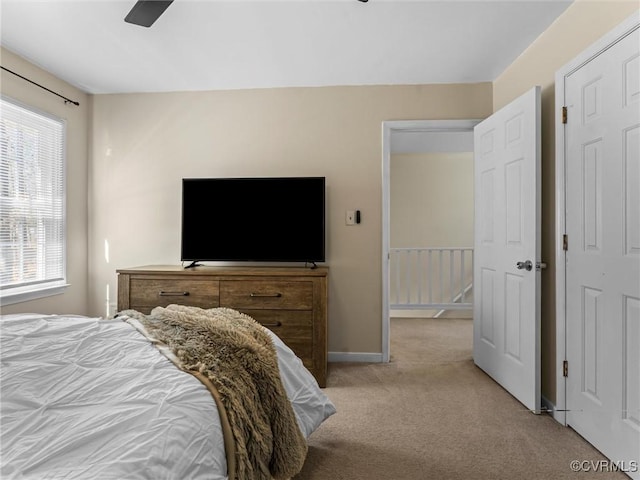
[
  {"x": 602, "y": 138},
  {"x": 506, "y": 314}
]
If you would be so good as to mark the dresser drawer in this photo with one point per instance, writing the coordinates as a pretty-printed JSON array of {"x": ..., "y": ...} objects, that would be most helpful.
[
  {"x": 293, "y": 327},
  {"x": 266, "y": 294},
  {"x": 147, "y": 293},
  {"x": 287, "y": 324}
]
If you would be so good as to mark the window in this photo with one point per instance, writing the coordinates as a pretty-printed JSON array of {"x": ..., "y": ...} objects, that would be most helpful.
[{"x": 32, "y": 203}]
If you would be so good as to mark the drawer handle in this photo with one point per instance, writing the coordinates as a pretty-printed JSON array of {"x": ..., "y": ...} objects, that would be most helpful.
[
  {"x": 173, "y": 294},
  {"x": 277, "y": 324},
  {"x": 262, "y": 295}
]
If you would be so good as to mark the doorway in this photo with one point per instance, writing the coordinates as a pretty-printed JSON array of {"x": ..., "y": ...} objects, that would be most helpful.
[
  {"x": 440, "y": 135},
  {"x": 507, "y": 264}
]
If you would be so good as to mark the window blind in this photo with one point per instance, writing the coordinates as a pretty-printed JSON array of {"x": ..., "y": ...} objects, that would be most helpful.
[{"x": 32, "y": 200}]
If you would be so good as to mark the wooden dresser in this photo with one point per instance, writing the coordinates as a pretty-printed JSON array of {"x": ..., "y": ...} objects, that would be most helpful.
[{"x": 290, "y": 301}]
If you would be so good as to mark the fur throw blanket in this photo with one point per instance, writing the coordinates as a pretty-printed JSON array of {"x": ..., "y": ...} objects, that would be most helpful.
[{"x": 234, "y": 352}]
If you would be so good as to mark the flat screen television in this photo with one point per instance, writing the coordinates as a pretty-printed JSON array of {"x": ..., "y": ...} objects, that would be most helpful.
[{"x": 262, "y": 219}]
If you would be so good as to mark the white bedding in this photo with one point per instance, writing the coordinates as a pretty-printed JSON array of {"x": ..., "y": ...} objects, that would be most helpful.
[{"x": 88, "y": 398}]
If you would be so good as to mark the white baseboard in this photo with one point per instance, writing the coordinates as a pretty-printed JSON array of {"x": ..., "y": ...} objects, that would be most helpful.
[
  {"x": 412, "y": 313},
  {"x": 341, "y": 357}
]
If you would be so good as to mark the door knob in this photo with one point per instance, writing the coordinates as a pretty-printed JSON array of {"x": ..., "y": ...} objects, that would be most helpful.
[{"x": 528, "y": 266}]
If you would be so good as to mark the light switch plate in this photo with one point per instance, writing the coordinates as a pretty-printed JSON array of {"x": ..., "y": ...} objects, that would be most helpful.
[{"x": 350, "y": 218}]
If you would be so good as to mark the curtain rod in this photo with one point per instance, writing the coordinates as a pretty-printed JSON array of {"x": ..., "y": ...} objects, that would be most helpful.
[{"x": 66, "y": 100}]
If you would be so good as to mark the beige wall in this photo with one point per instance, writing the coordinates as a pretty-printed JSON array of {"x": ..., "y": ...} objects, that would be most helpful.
[
  {"x": 431, "y": 205},
  {"x": 74, "y": 300},
  {"x": 583, "y": 23},
  {"x": 144, "y": 144},
  {"x": 431, "y": 200}
]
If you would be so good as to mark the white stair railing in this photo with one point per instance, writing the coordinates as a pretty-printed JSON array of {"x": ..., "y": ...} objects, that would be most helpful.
[{"x": 431, "y": 278}]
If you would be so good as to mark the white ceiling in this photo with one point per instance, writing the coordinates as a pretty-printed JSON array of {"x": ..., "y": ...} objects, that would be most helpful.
[{"x": 233, "y": 44}]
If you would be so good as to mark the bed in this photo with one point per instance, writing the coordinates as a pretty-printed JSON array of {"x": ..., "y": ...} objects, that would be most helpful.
[{"x": 119, "y": 398}]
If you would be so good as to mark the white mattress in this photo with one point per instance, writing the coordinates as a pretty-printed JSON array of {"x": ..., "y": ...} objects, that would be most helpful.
[{"x": 87, "y": 398}]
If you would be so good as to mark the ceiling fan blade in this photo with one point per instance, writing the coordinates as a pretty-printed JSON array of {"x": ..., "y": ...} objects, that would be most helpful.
[{"x": 145, "y": 12}]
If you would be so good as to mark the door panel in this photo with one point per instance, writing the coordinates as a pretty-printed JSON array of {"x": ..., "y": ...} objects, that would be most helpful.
[
  {"x": 507, "y": 226},
  {"x": 603, "y": 257}
]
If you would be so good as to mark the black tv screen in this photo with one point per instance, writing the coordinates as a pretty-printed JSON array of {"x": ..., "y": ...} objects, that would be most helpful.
[{"x": 263, "y": 219}]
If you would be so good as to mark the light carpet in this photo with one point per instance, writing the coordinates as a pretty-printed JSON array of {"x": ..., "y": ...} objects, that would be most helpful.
[{"x": 432, "y": 414}]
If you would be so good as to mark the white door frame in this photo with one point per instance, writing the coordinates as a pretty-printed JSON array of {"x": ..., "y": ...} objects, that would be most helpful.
[
  {"x": 389, "y": 127},
  {"x": 622, "y": 30}
]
